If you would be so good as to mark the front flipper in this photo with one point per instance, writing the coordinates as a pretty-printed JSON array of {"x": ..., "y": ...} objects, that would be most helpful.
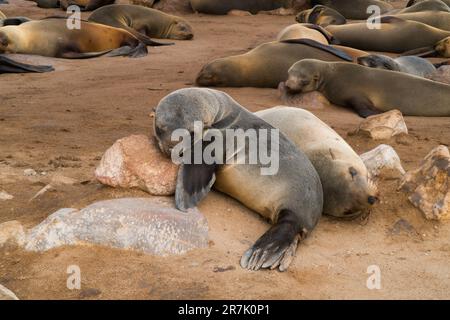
[
  {"x": 363, "y": 107},
  {"x": 132, "y": 52},
  {"x": 10, "y": 66},
  {"x": 276, "y": 248},
  {"x": 193, "y": 183}
]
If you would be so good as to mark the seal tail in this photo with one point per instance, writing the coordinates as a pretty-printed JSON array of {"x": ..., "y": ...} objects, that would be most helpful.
[{"x": 8, "y": 65}]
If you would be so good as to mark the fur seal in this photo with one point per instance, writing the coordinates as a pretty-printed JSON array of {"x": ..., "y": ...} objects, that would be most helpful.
[
  {"x": 85, "y": 5},
  {"x": 292, "y": 199},
  {"x": 370, "y": 91},
  {"x": 305, "y": 31},
  {"x": 408, "y": 64},
  {"x": 266, "y": 65},
  {"x": 395, "y": 35},
  {"x": 437, "y": 19},
  {"x": 50, "y": 37},
  {"x": 321, "y": 15},
  {"x": 8, "y": 65},
  {"x": 347, "y": 188},
  {"x": 141, "y": 20},
  {"x": 428, "y": 4},
  {"x": 220, "y": 7},
  {"x": 354, "y": 9}
]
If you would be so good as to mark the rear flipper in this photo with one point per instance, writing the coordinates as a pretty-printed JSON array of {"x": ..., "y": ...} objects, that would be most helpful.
[
  {"x": 276, "y": 248},
  {"x": 137, "y": 52},
  {"x": 363, "y": 107},
  {"x": 10, "y": 66}
]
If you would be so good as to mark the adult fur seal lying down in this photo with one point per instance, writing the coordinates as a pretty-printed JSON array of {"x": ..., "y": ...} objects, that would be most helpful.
[
  {"x": 347, "y": 188},
  {"x": 221, "y": 7},
  {"x": 370, "y": 91},
  {"x": 290, "y": 198},
  {"x": 140, "y": 20}
]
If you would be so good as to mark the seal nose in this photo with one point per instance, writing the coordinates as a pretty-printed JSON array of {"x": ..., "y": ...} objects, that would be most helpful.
[{"x": 372, "y": 200}]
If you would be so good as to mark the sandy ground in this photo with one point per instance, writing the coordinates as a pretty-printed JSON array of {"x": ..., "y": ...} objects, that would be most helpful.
[{"x": 62, "y": 122}]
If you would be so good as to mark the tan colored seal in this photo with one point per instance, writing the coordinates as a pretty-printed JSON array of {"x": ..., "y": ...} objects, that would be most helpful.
[
  {"x": 141, "y": 20},
  {"x": 305, "y": 31},
  {"x": 354, "y": 9},
  {"x": 370, "y": 91},
  {"x": 291, "y": 198},
  {"x": 85, "y": 5},
  {"x": 347, "y": 188},
  {"x": 51, "y": 37},
  {"x": 321, "y": 15},
  {"x": 266, "y": 65}
]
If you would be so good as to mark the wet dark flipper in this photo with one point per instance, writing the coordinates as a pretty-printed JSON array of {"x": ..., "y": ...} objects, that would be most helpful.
[
  {"x": 363, "y": 107},
  {"x": 145, "y": 39},
  {"x": 193, "y": 184},
  {"x": 312, "y": 43},
  {"x": 8, "y": 65},
  {"x": 276, "y": 248},
  {"x": 14, "y": 21},
  {"x": 133, "y": 52}
]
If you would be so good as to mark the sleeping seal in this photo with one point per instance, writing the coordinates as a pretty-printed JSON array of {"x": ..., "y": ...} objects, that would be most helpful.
[
  {"x": 370, "y": 91},
  {"x": 290, "y": 198},
  {"x": 354, "y": 9},
  {"x": 347, "y": 188},
  {"x": 321, "y": 15},
  {"x": 266, "y": 65},
  {"x": 141, "y": 20},
  {"x": 408, "y": 64}
]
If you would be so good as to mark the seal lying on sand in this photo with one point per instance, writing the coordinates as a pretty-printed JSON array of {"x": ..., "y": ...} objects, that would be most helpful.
[
  {"x": 85, "y": 5},
  {"x": 321, "y": 15},
  {"x": 408, "y": 64},
  {"x": 266, "y": 65},
  {"x": 51, "y": 38},
  {"x": 140, "y": 20},
  {"x": 370, "y": 91},
  {"x": 221, "y": 7},
  {"x": 347, "y": 188},
  {"x": 354, "y": 9},
  {"x": 290, "y": 198},
  {"x": 8, "y": 65},
  {"x": 395, "y": 35}
]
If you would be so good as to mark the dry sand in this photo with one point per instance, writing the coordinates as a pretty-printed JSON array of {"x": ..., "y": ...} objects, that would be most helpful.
[{"x": 62, "y": 122}]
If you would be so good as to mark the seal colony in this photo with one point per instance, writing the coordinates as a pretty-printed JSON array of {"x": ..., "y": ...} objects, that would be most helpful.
[{"x": 318, "y": 171}]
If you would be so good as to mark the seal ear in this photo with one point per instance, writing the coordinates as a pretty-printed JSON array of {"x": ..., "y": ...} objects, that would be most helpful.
[{"x": 194, "y": 182}]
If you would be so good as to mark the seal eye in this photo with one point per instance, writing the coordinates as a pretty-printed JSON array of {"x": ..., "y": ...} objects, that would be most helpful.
[{"x": 353, "y": 172}]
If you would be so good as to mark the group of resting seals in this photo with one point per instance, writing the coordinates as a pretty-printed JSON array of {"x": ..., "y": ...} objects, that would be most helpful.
[
  {"x": 111, "y": 30},
  {"x": 318, "y": 171}
]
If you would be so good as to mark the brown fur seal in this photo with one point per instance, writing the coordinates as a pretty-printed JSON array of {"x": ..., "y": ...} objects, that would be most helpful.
[
  {"x": 354, "y": 9},
  {"x": 8, "y": 65},
  {"x": 395, "y": 35},
  {"x": 221, "y": 7},
  {"x": 408, "y": 64},
  {"x": 306, "y": 31},
  {"x": 437, "y": 19},
  {"x": 428, "y": 4},
  {"x": 140, "y": 20},
  {"x": 321, "y": 15},
  {"x": 52, "y": 38},
  {"x": 370, "y": 91},
  {"x": 347, "y": 189},
  {"x": 291, "y": 198},
  {"x": 85, "y": 5},
  {"x": 266, "y": 65}
]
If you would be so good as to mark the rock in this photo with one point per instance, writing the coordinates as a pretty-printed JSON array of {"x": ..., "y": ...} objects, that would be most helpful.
[
  {"x": 137, "y": 162},
  {"x": 383, "y": 126},
  {"x": 429, "y": 185},
  {"x": 313, "y": 100},
  {"x": 174, "y": 6},
  {"x": 29, "y": 172},
  {"x": 6, "y": 294},
  {"x": 441, "y": 75},
  {"x": 12, "y": 232},
  {"x": 239, "y": 13},
  {"x": 5, "y": 196},
  {"x": 150, "y": 225},
  {"x": 383, "y": 162}
]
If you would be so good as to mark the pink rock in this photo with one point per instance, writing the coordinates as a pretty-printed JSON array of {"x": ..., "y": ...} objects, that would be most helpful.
[
  {"x": 137, "y": 162},
  {"x": 429, "y": 185}
]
